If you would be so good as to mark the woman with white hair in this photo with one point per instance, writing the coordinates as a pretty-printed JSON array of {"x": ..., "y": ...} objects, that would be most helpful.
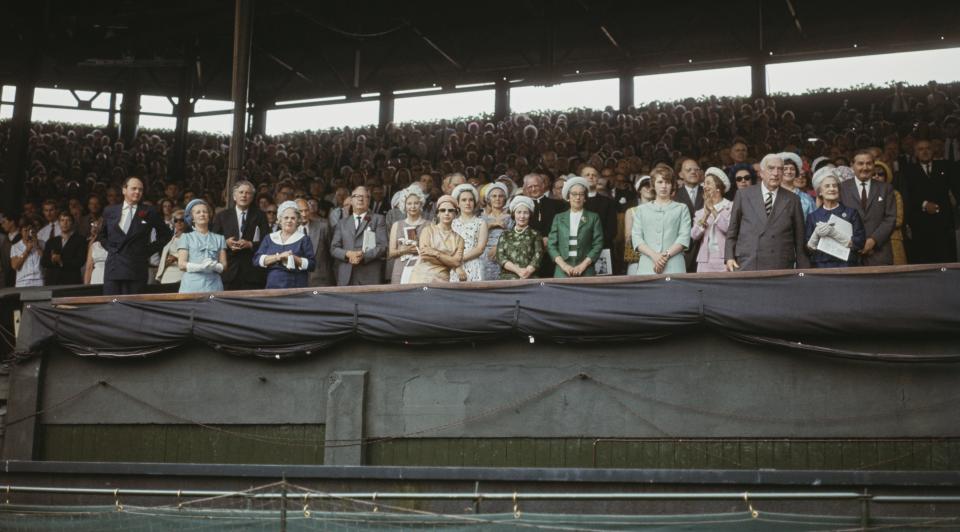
[
  {"x": 201, "y": 253},
  {"x": 576, "y": 236},
  {"x": 405, "y": 233},
  {"x": 710, "y": 223},
  {"x": 498, "y": 220},
  {"x": 519, "y": 249},
  {"x": 287, "y": 253},
  {"x": 821, "y": 224},
  {"x": 472, "y": 229}
]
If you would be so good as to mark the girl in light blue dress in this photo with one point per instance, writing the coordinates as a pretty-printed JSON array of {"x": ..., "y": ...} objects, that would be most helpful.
[
  {"x": 201, "y": 253},
  {"x": 661, "y": 229}
]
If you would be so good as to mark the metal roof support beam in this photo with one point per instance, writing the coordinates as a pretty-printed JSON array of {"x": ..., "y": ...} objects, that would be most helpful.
[
  {"x": 242, "y": 38},
  {"x": 184, "y": 108},
  {"x": 501, "y": 99},
  {"x": 626, "y": 90},
  {"x": 386, "y": 107},
  {"x": 130, "y": 109}
]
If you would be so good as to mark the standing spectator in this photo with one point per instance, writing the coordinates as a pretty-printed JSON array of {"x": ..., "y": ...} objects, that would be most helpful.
[
  {"x": 94, "y": 214},
  {"x": 885, "y": 174},
  {"x": 602, "y": 205},
  {"x": 405, "y": 233},
  {"x": 201, "y": 253},
  {"x": 743, "y": 177},
  {"x": 661, "y": 228},
  {"x": 168, "y": 271},
  {"x": 792, "y": 166},
  {"x": 126, "y": 235},
  {"x": 320, "y": 234},
  {"x": 766, "y": 225},
  {"x": 576, "y": 237},
  {"x": 818, "y": 223},
  {"x": 645, "y": 194},
  {"x": 359, "y": 243},
  {"x": 875, "y": 203},
  {"x": 928, "y": 207},
  {"x": 243, "y": 227},
  {"x": 287, "y": 254},
  {"x": 271, "y": 214},
  {"x": 9, "y": 236},
  {"x": 25, "y": 256},
  {"x": 64, "y": 255},
  {"x": 691, "y": 195},
  {"x": 51, "y": 227},
  {"x": 498, "y": 220},
  {"x": 545, "y": 209},
  {"x": 472, "y": 229},
  {"x": 441, "y": 248},
  {"x": 96, "y": 256},
  {"x": 519, "y": 248},
  {"x": 711, "y": 222}
]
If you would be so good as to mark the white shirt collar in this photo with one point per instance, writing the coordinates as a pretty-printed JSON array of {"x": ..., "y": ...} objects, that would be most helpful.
[{"x": 763, "y": 188}]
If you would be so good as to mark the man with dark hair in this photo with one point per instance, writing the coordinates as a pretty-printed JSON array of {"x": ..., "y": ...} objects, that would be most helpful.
[
  {"x": 64, "y": 255},
  {"x": 877, "y": 206},
  {"x": 929, "y": 212},
  {"x": 126, "y": 235},
  {"x": 243, "y": 227}
]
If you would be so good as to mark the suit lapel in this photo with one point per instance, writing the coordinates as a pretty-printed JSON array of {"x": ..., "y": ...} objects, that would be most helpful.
[{"x": 779, "y": 204}]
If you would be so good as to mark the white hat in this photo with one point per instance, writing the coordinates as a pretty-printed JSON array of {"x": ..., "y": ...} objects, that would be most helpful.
[
  {"x": 572, "y": 182},
  {"x": 521, "y": 201},
  {"x": 397, "y": 199},
  {"x": 643, "y": 179},
  {"x": 792, "y": 157},
  {"x": 465, "y": 187},
  {"x": 495, "y": 186},
  {"x": 719, "y": 174},
  {"x": 823, "y": 173},
  {"x": 412, "y": 190},
  {"x": 818, "y": 160}
]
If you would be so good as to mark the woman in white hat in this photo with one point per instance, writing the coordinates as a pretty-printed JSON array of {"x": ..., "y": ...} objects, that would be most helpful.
[
  {"x": 498, "y": 220},
  {"x": 520, "y": 248},
  {"x": 472, "y": 229},
  {"x": 644, "y": 195},
  {"x": 405, "y": 233},
  {"x": 710, "y": 223},
  {"x": 201, "y": 253},
  {"x": 661, "y": 228},
  {"x": 792, "y": 167},
  {"x": 441, "y": 248},
  {"x": 576, "y": 236},
  {"x": 821, "y": 223}
]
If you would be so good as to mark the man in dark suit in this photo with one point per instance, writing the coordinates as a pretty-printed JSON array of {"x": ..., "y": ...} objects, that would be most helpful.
[
  {"x": 602, "y": 205},
  {"x": 64, "y": 255},
  {"x": 929, "y": 212},
  {"x": 544, "y": 210},
  {"x": 766, "y": 229},
  {"x": 126, "y": 235},
  {"x": 243, "y": 227},
  {"x": 877, "y": 206},
  {"x": 355, "y": 263},
  {"x": 691, "y": 195},
  {"x": 9, "y": 235},
  {"x": 320, "y": 234}
]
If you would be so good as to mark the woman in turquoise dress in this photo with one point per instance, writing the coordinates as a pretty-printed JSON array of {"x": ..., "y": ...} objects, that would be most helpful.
[
  {"x": 287, "y": 254},
  {"x": 201, "y": 253},
  {"x": 661, "y": 228}
]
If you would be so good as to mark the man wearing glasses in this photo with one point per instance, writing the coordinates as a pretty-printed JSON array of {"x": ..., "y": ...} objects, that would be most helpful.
[{"x": 359, "y": 243}]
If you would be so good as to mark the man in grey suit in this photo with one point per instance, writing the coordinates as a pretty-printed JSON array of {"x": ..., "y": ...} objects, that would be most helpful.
[
  {"x": 875, "y": 203},
  {"x": 354, "y": 264},
  {"x": 766, "y": 225},
  {"x": 319, "y": 233}
]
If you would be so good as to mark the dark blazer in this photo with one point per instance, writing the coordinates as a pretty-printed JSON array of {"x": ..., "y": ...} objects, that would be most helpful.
[
  {"x": 544, "y": 211},
  {"x": 690, "y": 255},
  {"x": 348, "y": 238},
  {"x": 73, "y": 256},
  {"x": 320, "y": 235},
  {"x": 241, "y": 272},
  {"x": 760, "y": 242},
  {"x": 128, "y": 254},
  {"x": 606, "y": 209},
  {"x": 589, "y": 241},
  {"x": 879, "y": 218},
  {"x": 934, "y": 240}
]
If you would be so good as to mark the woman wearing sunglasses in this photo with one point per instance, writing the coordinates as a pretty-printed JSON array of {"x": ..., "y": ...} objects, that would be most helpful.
[
  {"x": 168, "y": 272},
  {"x": 441, "y": 248}
]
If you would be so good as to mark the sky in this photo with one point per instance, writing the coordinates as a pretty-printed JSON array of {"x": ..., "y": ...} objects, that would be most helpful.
[{"x": 914, "y": 68}]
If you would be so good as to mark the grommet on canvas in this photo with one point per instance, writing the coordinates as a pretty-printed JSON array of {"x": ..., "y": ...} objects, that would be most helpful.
[
  {"x": 277, "y": 356},
  {"x": 666, "y": 278},
  {"x": 943, "y": 269},
  {"x": 315, "y": 292},
  {"x": 114, "y": 300},
  {"x": 425, "y": 288},
  {"x": 542, "y": 284},
  {"x": 211, "y": 296},
  {"x": 532, "y": 339},
  {"x": 800, "y": 274}
]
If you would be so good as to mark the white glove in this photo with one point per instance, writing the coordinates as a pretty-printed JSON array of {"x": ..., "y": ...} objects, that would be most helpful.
[
  {"x": 823, "y": 229},
  {"x": 207, "y": 265},
  {"x": 814, "y": 240},
  {"x": 217, "y": 267},
  {"x": 842, "y": 239},
  {"x": 193, "y": 267}
]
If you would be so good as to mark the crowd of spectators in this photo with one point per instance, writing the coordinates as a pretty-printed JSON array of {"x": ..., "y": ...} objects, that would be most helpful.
[{"x": 364, "y": 196}]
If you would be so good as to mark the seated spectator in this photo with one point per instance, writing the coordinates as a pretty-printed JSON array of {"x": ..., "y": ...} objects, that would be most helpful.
[
  {"x": 519, "y": 249},
  {"x": 661, "y": 228},
  {"x": 64, "y": 255},
  {"x": 819, "y": 226},
  {"x": 287, "y": 254},
  {"x": 441, "y": 248},
  {"x": 25, "y": 255},
  {"x": 576, "y": 236},
  {"x": 472, "y": 229},
  {"x": 168, "y": 272},
  {"x": 711, "y": 222},
  {"x": 201, "y": 253},
  {"x": 405, "y": 233}
]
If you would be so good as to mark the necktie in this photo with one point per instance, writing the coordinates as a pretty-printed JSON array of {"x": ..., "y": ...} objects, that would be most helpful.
[
  {"x": 863, "y": 195},
  {"x": 357, "y": 221},
  {"x": 926, "y": 168},
  {"x": 126, "y": 218},
  {"x": 243, "y": 222},
  {"x": 768, "y": 204}
]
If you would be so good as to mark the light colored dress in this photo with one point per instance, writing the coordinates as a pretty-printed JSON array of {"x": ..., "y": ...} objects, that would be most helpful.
[
  {"x": 99, "y": 263},
  {"x": 200, "y": 248},
  {"x": 660, "y": 227},
  {"x": 396, "y": 265},
  {"x": 431, "y": 272},
  {"x": 714, "y": 235},
  {"x": 470, "y": 232},
  {"x": 169, "y": 274},
  {"x": 30, "y": 273},
  {"x": 491, "y": 270}
]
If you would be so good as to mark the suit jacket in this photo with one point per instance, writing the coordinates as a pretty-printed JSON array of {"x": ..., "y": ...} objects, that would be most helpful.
[
  {"x": 544, "y": 211},
  {"x": 693, "y": 251},
  {"x": 73, "y": 256},
  {"x": 128, "y": 253},
  {"x": 760, "y": 242},
  {"x": 7, "y": 273},
  {"x": 347, "y": 238},
  {"x": 320, "y": 235},
  {"x": 589, "y": 241},
  {"x": 933, "y": 234},
  {"x": 606, "y": 209},
  {"x": 240, "y": 271},
  {"x": 879, "y": 218}
]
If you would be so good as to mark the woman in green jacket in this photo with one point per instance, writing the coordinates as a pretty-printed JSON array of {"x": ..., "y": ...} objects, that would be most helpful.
[{"x": 575, "y": 250}]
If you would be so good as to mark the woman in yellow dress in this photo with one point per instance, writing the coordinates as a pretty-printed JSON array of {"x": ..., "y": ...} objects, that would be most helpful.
[
  {"x": 883, "y": 173},
  {"x": 440, "y": 247}
]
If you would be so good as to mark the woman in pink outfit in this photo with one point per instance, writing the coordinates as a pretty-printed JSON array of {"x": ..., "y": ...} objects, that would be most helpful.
[{"x": 710, "y": 223}]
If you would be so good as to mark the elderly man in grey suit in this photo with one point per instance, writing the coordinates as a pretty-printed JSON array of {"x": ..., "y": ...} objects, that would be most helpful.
[
  {"x": 320, "y": 234},
  {"x": 875, "y": 203},
  {"x": 359, "y": 243},
  {"x": 766, "y": 225}
]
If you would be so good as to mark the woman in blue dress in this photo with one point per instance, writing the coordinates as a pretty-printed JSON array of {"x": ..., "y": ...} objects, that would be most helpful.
[
  {"x": 661, "y": 228},
  {"x": 287, "y": 254},
  {"x": 818, "y": 226},
  {"x": 201, "y": 253}
]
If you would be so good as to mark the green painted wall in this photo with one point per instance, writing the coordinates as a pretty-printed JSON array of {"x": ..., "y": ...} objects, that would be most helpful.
[{"x": 212, "y": 444}]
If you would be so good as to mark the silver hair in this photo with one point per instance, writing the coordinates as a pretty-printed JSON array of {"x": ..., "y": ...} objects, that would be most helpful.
[{"x": 768, "y": 157}]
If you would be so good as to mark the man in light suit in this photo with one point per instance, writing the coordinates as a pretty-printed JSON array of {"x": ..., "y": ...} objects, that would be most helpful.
[
  {"x": 243, "y": 227},
  {"x": 126, "y": 235},
  {"x": 766, "y": 229},
  {"x": 319, "y": 233},
  {"x": 877, "y": 206},
  {"x": 354, "y": 265}
]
